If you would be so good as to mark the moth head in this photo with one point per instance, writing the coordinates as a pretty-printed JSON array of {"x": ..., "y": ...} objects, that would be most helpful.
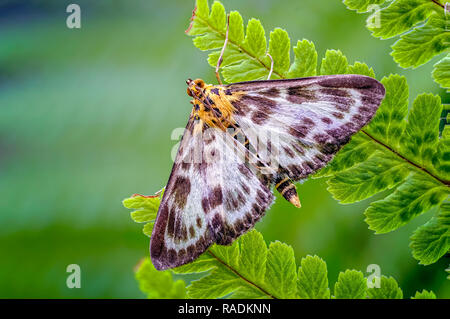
[{"x": 195, "y": 87}]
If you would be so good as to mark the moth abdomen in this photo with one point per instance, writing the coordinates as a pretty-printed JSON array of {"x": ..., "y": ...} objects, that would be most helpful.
[{"x": 287, "y": 189}]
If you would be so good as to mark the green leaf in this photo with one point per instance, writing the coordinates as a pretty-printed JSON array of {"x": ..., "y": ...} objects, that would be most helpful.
[
  {"x": 279, "y": 46},
  {"x": 219, "y": 283},
  {"x": 146, "y": 208},
  {"x": 249, "y": 70},
  {"x": 441, "y": 159},
  {"x": 253, "y": 257},
  {"x": 380, "y": 172},
  {"x": 239, "y": 270},
  {"x": 360, "y": 148},
  {"x": 159, "y": 284},
  {"x": 362, "y": 5},
  {"x": 312, "y": 280},
  {"x": 423, "y": 43},
  {"x": 398, "y": 152},
  {"x": 248, "y": 270},
  {"x": 424, "y": 295},
  {"x": 227, "y": 254},
  {"x": 221, "y": 277},
  {"x": 202, "y": 9},
  {"x": 416, "y": 195},
  {"x": 305, "y": 62},
  {"x": 388, "y": 124},
  {"x": 420, "y": 25},
  {"x": 227, "y": 276},
  {"x": 351, "y": 284},
  {"x": 203, "y": 263},
  {"x": 236, "y": 33},
  {"x": 248, "y": 292},
  {"x": 245, "y": 55},
  {"x": 388, "y": 290},
  {"x": 333, "y": 63},
  {"x": 280, "y": 274},
  {"x": 432, "y": 240},
  {"x": 148, "y": 228},
  {"x": 422, "y": 131},
  {"x": 441, "y": 72},
  {"x": 360, "y": 68},
  {"x": 400, "y": 16},
  {"x": 255, "y": 40}
]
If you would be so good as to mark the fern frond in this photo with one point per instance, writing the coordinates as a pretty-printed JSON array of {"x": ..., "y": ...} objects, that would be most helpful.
[
  {"x": 406, "y": 156},
  {"x": 422, "y": 28},
  {"x": 402, "y": 152},
  {"x": 397, "y": 151},
  {"x": 249, "y": 269},
  {"x": 158, "y": 284}
]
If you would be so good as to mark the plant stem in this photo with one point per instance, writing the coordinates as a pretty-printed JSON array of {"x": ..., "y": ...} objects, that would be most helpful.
[
  {"x": 240, "y": 47},
  {"x": 240, "y": 276},
  {"x": 423, "y": 169},
  {"x": 438, "y": 3}
]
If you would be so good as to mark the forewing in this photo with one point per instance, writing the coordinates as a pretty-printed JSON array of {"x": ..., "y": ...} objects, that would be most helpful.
[
  {"x": 211, "y": 196},
  {"x": 298, "y": 125}
]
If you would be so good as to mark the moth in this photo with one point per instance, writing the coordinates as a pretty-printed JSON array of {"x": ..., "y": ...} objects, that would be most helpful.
[{"x": 242, "y": 140}]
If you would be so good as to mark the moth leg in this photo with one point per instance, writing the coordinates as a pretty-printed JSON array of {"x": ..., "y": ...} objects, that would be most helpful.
[
  {"x": 160, "y": 191},
  {"x": 271, "y": 66},
  {"x": 219, "y": 62},
  {"x": 287, "y": 189}
]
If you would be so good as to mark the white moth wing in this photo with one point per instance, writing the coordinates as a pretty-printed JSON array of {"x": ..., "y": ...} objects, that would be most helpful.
[
  {"x": 297, "y": 126},
  {"x": 211, "y": 197}
]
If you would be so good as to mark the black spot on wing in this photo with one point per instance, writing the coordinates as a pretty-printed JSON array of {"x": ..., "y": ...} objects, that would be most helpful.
[
  {"x": 205, "y": 205},
  {"x": 342, "y": 104},
  {"x": 234, "y": 200},
  {"x": 215, "y": 197},
  {"x": 334, "y": 92},
  {"x": 171, "y": 222},
  {"x": 338, "y": 115},
  {"x": 164, "y": 258},
  {"x": 245, "y": 188},
  {"x": 244, "y": 170},
  {"x": 226, "y": 233},
  {"x": 299, "y": 131},
  {"x": 326, "y": 120},
  {"x": 300, "y": 94},
  {"x": 260, "y": 117},
  {"x": 272, "y": 92},
  {"x": 261, "y": 107},
  {"x": 288, "y": 152},
  {"x": 191, "y": 231},
  {"x": 181, "y": 190},
  {"x": 199, "y": 222},
  {"x": 262, "y": 103},
  {"x": 241, "y": 108},
  {"x": 216, "y": 222}
]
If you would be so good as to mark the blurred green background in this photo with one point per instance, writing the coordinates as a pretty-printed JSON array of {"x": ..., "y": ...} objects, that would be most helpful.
[{"x": 86, "y": 117}]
